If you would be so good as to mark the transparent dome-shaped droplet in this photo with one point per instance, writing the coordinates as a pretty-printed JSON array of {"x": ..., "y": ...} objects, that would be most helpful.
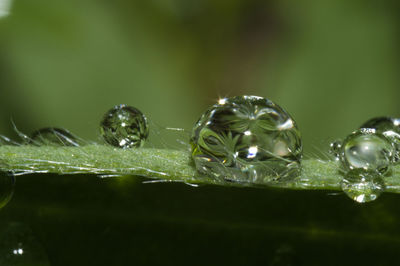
[
  {"x": 7, "y": 183},
  {"x": 247, "y": 139},
  {"x": 335, "y": 148},
  {"x": 53, "y": 136},
  {"x": 363, "y": 186},
  {"x": 367, "y": 149},
  {"x": 19, "y": 246},
  {"x": 388, "y": 126},
  {"x": 124, "y": 127}
]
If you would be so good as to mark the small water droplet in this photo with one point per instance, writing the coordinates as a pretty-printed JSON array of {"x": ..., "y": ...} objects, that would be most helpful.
[
  {"x": 390, "y": 127},
  {"x": 335, "y": 148},
  {"x": 247, "y": 139},
  {"x": 363, "y": 186},
  {"x": 124, "y": 126},
  {"x": 7, "y": 182},
  {"x": 367, "y": 149},
  {"x": 18, "y": 246},
  {"x": 53, "y": 136}
]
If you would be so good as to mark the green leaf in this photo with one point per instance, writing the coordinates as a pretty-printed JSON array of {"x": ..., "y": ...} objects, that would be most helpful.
[{"x": 162, "y": 164}]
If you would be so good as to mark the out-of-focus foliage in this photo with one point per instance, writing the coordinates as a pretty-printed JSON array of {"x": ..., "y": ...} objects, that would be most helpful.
[{"x": 331, "y": 64}]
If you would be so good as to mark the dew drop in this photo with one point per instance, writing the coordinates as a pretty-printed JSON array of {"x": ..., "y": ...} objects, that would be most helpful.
[
  {"x": 19, "y": 246},
  {"x": 363, "y": 186},
  {"x": 53, "y": 136},
  {"x": 124, "y": 126},
  {"x": 7, "y": 183},
  {"x": 366, "y": 149},
  {"x": 390, "y": 127},
  {"x": 335, "y": 147},
  {"x": 247, "y": 139}
]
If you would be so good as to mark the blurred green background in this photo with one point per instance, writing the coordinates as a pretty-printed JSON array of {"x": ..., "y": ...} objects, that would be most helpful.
[{"x": 331, "y": 64}]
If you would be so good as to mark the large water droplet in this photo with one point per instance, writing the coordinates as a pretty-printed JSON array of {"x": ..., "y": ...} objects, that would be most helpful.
[
  {"x": 18, "y": 246},
  {"x": 363, "y": 186},
  {"x": 124, "y": 127},
  {"x": 7, "y": 183},
  {"x": 247, "y": 139},
  {"x": 53, "y": 136},
  {"x": 388, "y": 126},
  {"x": 367, "y": 149}
]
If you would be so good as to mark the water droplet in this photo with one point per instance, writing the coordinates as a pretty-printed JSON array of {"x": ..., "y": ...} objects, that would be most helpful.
[
  {"x": 18, "y": 246},
  {"x": 53, "y": 136},
  {"x": 367, "y": 149},
  {"x": 124, "y": 127},
  {"x": 7, "y": 182},
  {"x": 247, "y": 139},
  {"x": 363, "y": 186},
  {"x": 388, "y": 126},
  {"x": 335, "y": 148}
]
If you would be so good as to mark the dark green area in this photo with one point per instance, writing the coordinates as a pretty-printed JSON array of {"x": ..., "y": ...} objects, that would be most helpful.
[{"x": 84, "y": 220}]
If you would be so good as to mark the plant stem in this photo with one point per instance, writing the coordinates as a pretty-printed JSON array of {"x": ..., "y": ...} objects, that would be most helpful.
[{"x": 158, "y": 164}]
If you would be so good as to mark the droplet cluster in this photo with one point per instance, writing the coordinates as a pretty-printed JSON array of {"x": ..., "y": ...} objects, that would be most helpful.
[
  {"x": 250, "y": 140},
  {"x": 247, "y": 139},
  {"x": 366, "y": 157}
]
